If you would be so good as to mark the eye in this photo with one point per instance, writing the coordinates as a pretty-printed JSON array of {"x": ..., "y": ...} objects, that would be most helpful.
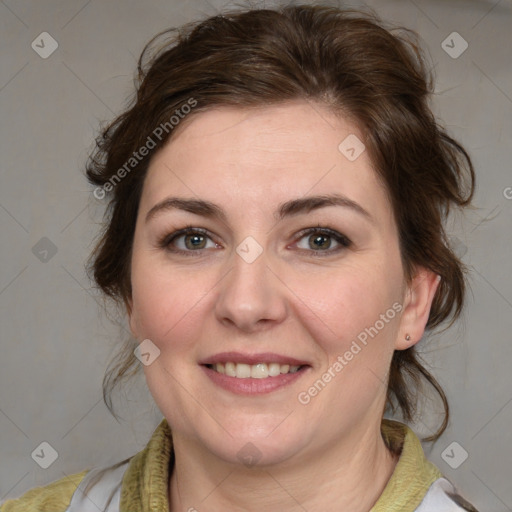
[
  {"x": 322, "y": 240},
  {"x": 314, "y": 240},
  {"x": 188, "y": 240}
]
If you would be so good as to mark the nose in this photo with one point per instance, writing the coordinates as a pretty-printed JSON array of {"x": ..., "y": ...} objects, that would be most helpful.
[{"x": 251, "y": 296}]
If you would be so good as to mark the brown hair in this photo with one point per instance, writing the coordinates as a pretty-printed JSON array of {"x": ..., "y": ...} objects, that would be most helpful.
[{"x": 345, "y": 60}]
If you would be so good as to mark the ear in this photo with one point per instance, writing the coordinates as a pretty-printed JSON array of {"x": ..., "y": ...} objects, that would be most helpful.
[{"x": 418, "y": 299}]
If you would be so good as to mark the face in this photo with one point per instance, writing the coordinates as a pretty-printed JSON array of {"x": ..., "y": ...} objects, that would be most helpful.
[{"x": 275, "y": 314}]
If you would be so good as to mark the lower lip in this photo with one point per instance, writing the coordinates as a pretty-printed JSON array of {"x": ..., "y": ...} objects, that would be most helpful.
[{"x": 252, "y": 386}]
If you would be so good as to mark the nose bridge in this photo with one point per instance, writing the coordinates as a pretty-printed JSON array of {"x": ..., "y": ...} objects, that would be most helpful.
[{"x": 250, "y": 295}]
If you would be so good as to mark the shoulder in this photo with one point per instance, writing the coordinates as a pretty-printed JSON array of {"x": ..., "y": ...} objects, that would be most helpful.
[
  {"x": 442, "y": 497},
  {"x": 54, "y": 497}
]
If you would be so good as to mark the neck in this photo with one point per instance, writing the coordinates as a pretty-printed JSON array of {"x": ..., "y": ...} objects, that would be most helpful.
[{"x": 350, "y": 475}]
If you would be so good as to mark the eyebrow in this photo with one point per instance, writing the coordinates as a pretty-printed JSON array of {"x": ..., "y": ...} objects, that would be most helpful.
[{"x": 290, "y": 208}]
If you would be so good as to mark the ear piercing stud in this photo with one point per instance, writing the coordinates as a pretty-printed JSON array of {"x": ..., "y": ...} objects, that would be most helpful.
[{"x": 407, "y": 337}]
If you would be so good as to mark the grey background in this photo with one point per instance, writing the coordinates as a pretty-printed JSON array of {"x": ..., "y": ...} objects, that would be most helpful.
[{"x": 55, "y": 339}]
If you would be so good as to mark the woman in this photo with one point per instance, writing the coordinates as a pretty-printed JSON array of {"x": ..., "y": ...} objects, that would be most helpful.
[{"x": 278, "y": 190}]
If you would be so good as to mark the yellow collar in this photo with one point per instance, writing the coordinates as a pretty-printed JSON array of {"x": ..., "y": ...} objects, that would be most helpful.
[
  {"x": 413, "y": 474},
  {"x": 145, "y": 482}
]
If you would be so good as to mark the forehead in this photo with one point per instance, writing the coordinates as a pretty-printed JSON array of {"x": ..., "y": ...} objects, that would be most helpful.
[{"x": 264, "y": 155}]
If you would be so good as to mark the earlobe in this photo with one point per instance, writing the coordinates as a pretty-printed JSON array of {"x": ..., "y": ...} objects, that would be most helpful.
[{"x": 418, "y": 300}]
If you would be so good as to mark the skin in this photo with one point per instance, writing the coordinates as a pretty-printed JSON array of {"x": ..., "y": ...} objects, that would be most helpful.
[{"x": 328, "y": 452}]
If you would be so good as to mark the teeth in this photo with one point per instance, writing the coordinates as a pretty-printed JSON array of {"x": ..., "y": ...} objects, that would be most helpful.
[
  {"x": 254, "y": 371},
  {"x": 259, "y": 371},
  {"x": 243, "y": 371},
  {"x": 274, "y": 369},
  {"x": 230, "y": 369}
]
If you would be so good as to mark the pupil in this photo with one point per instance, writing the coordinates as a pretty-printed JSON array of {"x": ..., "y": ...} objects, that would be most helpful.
[
  {"x": 194, "y": 241},
  {"x": 320, "y": 241}
]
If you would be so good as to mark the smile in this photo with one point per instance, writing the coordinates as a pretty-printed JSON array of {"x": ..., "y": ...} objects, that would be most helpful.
[{"x": 253, "y": 371}]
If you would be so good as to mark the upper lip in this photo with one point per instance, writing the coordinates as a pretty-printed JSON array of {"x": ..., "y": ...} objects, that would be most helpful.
[{"x": 239, "y": 357}]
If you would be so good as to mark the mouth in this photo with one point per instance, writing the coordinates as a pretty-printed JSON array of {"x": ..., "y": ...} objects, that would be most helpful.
[
  {"x": 254, "y": 371},
  {"x": 253, "y": 374}
]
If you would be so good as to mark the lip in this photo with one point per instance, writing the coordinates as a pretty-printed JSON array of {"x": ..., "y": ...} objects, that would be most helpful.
[
  {"x": 252, "y": 386},
  {"x": 262, "y": 357}
]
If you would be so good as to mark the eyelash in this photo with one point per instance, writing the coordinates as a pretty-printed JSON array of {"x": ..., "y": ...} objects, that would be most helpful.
[{"x": 344, "y": 242}]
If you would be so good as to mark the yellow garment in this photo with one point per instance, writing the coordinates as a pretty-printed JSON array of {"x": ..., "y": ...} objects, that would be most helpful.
[
  {"x": 145, "y": 481},
  {"x": 413, "y": 474},
  {"x": 54, "y": 497}
]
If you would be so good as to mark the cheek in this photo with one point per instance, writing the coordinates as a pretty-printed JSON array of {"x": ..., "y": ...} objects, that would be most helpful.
[
  {"x": 168, "y": 306},
  {"x": 353, "y": 317},
  {"x": 353, "y": 314},
  {"x": 344, "y": 304}
]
